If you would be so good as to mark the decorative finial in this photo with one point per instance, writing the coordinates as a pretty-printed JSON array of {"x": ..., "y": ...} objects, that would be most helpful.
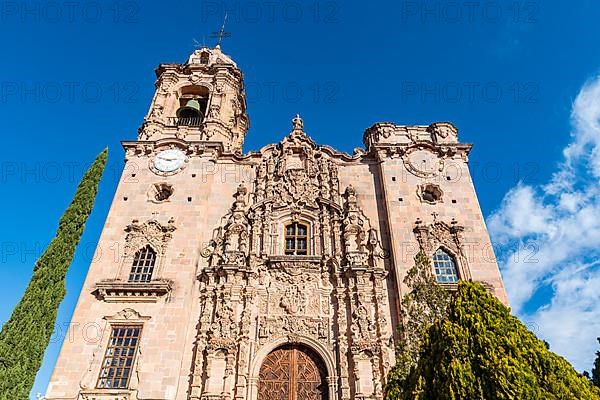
[
  {"x": 221, "y": 34},
  {"x": 298, "y": 123}
]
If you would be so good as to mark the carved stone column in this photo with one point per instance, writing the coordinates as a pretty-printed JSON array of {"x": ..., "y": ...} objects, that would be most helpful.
[
  {"x": 342, "y": 335},
  {"x": 207, "y": 299}
]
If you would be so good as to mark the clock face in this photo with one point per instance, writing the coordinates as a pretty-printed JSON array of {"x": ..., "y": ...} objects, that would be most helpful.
[
  {"x": 169, "y": 160},
  {"x": 423, "y": 163}
]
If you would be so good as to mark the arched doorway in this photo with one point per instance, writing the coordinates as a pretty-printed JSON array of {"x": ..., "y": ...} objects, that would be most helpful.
[{"x": 293, "y": 372}]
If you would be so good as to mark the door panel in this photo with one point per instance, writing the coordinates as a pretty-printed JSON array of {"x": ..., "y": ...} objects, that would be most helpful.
[{"x": 292, "y": 372}]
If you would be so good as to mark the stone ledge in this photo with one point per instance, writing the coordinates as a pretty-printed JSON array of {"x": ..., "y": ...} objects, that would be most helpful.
[
  {"x": 118, "y": 291},
  {"x": 106, "y": 394}
]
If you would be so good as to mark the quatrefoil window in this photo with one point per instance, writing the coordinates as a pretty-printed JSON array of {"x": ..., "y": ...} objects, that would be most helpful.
[
  {"x": 430, "y": 193},
  {"x": 161, "y": 192}
]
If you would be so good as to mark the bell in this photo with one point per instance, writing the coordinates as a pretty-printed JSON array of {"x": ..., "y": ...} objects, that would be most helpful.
[{"x": 190, "y": 110}]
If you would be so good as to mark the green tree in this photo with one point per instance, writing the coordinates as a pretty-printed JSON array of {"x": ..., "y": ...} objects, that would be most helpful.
[
  {"x": 481, "y": 351},
  {"x": 25, "y": 336},
  {"x": 425, "y": 303},
  {"x": 596, "y": 370}
]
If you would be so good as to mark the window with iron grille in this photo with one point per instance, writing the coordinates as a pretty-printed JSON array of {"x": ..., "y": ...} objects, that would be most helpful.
[
  {"x": 445, "y": 267},
  {"x": 117, "y": 365},
  {"x": 143, "y": 265},
  {"x": 296, "y": 239}
]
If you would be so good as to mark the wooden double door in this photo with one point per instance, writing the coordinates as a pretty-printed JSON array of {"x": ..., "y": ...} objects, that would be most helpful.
[{"x": 293, "y": 372}]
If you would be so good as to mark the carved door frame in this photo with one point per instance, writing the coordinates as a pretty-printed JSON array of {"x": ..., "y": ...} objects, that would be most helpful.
[{"x": 325, "y": 355}]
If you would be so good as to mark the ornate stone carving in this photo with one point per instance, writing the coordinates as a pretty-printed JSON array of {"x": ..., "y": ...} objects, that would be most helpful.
[
  {"x": 431, "y": 236},
  {"x": 229, "y": 246},
  {"x": 296, "y": 173},
  {"x": 294, "y": 294},
  {"x": 440, "y": 234},
  {"x": 294, "y": 181},
  {"x": 363, "y": 327},
  {"x": 288, "y": 325},
  {"x": 362, "y": 247},
  {"x": 151, "y": 233},
  {"x": 214, "y": 111},
  {"x": 127, "y": 314},
  {"x": 443, "y": 131},
  {"x": 156, "y": 113},
  {"x": 224, "y": 326},
  {"x": 294, "y": 300}
]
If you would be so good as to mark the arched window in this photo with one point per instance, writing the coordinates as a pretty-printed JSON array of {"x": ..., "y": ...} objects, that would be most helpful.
[
  {"x": 296, "y": 239},
  {"x": 143, "y": 265},
  {"x": 204, "y": 57},
  {"x": 445, "y": 267}
]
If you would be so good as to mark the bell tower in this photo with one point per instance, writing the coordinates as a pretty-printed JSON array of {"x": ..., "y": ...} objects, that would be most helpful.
[{"x": 200, "y": 100}]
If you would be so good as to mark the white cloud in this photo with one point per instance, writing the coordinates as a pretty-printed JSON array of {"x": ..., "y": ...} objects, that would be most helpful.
[{"x": 548, "y": 237}]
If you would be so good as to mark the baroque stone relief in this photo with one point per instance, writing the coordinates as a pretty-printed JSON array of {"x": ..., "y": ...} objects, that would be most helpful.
[
  {"x": 441, "y": 234},
  {"x": 229, "y": 245},
  {"x": 389, "y": 133},
  {"x": 331, "y": 296},
  {"x": 362, "y": 246},
  {"x": 296, "y": 173},
  {"x": 293, "y": 294},
  {"x": 151, "y": 233}
]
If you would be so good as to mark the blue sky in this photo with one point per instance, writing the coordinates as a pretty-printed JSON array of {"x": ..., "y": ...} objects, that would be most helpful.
[{"x": 511, "y": 75}]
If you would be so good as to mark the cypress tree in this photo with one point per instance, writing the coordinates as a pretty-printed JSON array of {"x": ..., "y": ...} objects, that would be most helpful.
[
  {"x": 480, "y": 351},
  {"x": 596, "y": 370},
  {"x": 25, "y": 336}
]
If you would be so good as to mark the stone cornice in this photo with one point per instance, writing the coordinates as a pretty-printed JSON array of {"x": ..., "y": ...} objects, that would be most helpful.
[
  {"x": 376, "y": 150},
  {"x": 186, "y": 69},
  {"x": 146, "y": 148},
  {"x": 113, "y": 291},
  {"x": 441, "y": 133},
  {"x": 391, "y": 150}
]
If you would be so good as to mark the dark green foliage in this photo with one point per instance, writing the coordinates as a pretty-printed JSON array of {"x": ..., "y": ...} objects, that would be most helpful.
[
  {"x": 425, "y": 303},
  {"x": 481, "y": 351},
  {"x": 596, "y": 370},
  {"x": 26, "y": 334}
]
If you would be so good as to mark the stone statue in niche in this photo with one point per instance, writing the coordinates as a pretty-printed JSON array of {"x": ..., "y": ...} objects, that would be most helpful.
[
  {"x": 264, "y": 331},
  {"x": 230, "y": 241},
  {"x": 263, "y": 275},
  {"x": 361, "y": 244},
  {"x": 156, "y": 113},
  {"x": 214, "y": 111},
  {"x": 363, "y": 327},
  {"x": 224, "y": 320},
  {"x": 322, "y": 332}
]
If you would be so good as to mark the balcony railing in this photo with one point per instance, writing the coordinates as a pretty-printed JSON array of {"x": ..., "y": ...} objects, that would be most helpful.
[{"x": 186, "y": 121}]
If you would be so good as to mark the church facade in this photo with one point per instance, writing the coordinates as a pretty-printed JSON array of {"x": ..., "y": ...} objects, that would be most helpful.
[{"x": 274, "y": 274}]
